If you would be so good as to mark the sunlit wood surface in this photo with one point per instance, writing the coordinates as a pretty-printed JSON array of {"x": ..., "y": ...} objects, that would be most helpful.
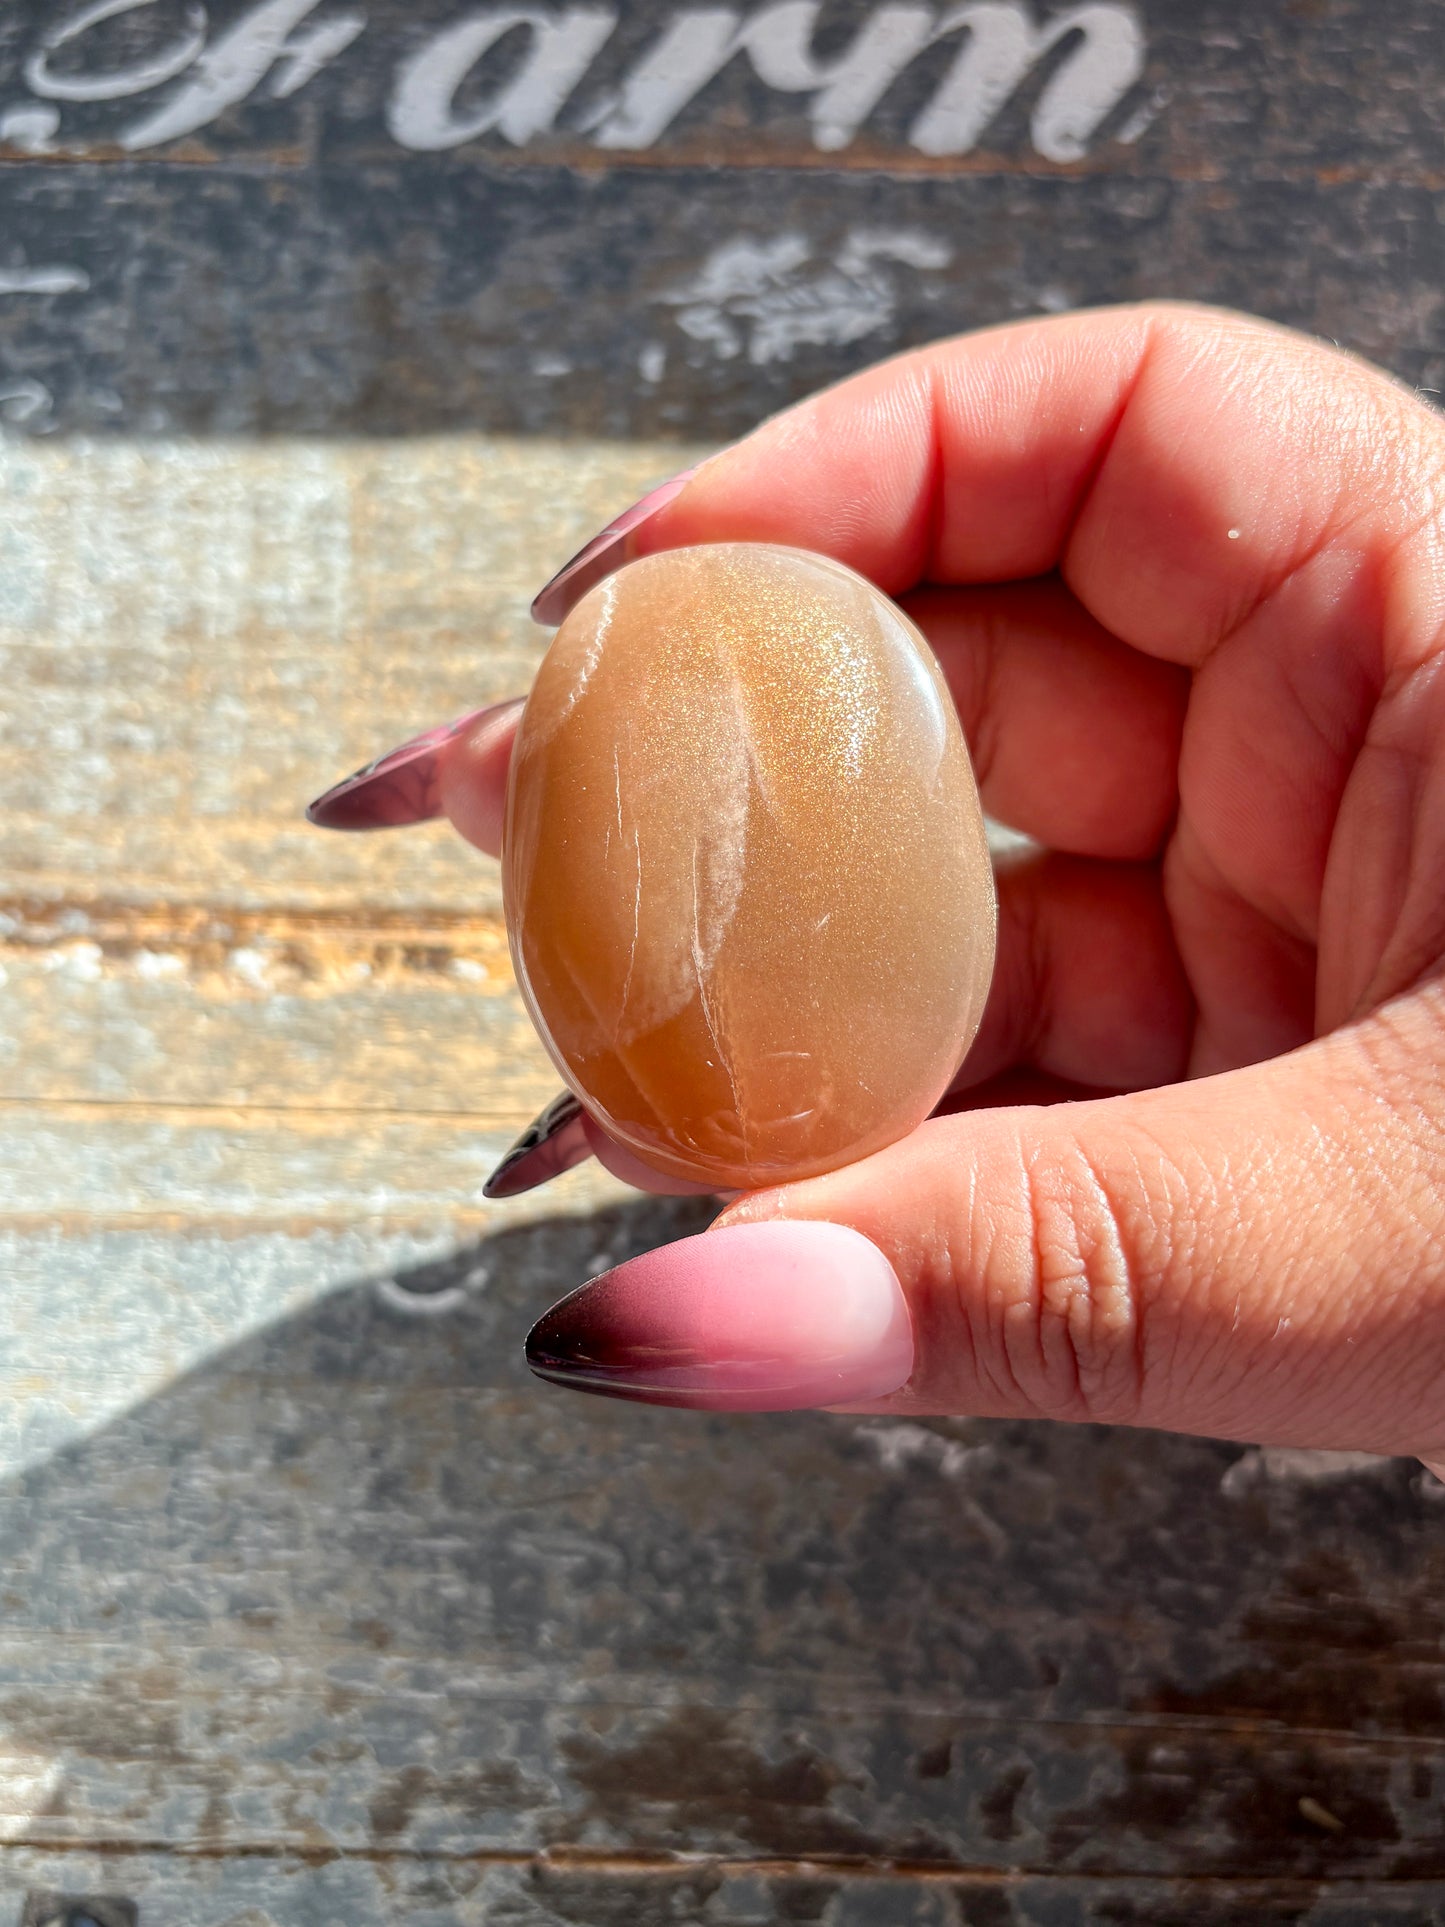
[{"x": 314, "y": 1606}]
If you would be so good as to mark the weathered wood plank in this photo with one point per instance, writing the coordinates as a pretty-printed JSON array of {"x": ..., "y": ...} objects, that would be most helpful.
[
  {"x": 352, "y": 1583},
  {"x": 1336, "y": 86},
  {"x": 424, "y": 1022},
  {"x": 695, "y": 218},
  {"x": 244, "y": 1166},
  {"x": 785, "y": 284},
  {"x": 195, "y": 641},
  {"x": 429, "y": 1891}
]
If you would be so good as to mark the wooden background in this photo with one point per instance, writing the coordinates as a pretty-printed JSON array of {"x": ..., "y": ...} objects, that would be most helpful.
[{"x": 316, "y": 1610}]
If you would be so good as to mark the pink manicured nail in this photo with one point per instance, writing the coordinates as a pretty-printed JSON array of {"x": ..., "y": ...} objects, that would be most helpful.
[
  {"x": 769, "y": 1317},
  {"x": 563, "y": 1135},
  {"x": 550, "y": 1145},
  {"x": 604, "y": 554},
  {"x": 399, "y": 788}
]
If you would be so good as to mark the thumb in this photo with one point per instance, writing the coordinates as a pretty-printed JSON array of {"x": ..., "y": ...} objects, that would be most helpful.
[{"x": 1258, "y": 1255}]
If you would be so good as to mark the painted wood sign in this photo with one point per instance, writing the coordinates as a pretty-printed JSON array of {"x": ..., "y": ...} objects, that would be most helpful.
[{"x": 666, "y": 220}]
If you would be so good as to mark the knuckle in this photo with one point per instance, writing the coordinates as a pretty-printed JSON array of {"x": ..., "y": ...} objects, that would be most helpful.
[{"x": 1067, "y": 1299}]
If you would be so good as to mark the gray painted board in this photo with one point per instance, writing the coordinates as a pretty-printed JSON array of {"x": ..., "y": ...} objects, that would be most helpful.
[{"x": 648, "y": 220}]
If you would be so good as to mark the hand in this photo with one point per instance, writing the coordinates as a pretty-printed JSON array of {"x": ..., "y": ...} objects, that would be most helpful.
[{"x": 1186, "y": 577}]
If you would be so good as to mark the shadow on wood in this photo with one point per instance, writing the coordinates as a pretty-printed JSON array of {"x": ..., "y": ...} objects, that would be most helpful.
[{"x": 358, "y": 1592}]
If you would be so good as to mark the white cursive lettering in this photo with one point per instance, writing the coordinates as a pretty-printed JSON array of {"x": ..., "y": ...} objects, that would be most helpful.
[
  {"x": 1002, "y": 46},
  {"x": 236, "y": 62},
  {"x": 1092, "y": 53},
  {"x": 778, "y": 42},
  {"x": 121, "y": 81},
  {"x": 423, "y": 113}
]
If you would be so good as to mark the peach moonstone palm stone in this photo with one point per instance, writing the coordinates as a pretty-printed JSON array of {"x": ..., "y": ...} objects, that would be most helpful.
[{"x": 746, "y": 879}]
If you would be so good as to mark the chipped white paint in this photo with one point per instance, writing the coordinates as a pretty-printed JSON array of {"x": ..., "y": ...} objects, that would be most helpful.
[
  {"x": 31, "y": 129},
  {"x": 429, "y": 1304},
  {"x": 1144, "y": 117},
  {"x": 155, "y": 966},
  {"x": 43, "y": 280},
  {"x": 25, "y": 402},
  {"x": 897, "y": 1445},
  {"x": 79, "y": 960},
  {"x": 1289, "y": 1465},
  {"x": 27, "y": 1783},
  {"x": 767, "y": 298},
  {"x": 1091, "y": 57}
]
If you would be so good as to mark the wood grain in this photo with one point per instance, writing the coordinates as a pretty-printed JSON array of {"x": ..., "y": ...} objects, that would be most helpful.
[
  {"x": 315, "y": 1609},
  {"x": 291, "y": 266},
  {"x": 437, "y": 1892},
  {"x": 314, "y": 1606},
  {"x": 196, "y": 642},
  {"x": 350, "y": 1586}
]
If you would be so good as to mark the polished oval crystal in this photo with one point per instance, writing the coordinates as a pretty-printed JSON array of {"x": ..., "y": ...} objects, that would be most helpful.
[{"x": 747, "y": 885}]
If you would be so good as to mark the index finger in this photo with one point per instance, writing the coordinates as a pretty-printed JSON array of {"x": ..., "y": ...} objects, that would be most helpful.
[{"x": 1175, "y": 464}]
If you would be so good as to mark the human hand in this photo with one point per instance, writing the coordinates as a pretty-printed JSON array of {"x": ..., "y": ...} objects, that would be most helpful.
[{"x": 1186, "y": 578}]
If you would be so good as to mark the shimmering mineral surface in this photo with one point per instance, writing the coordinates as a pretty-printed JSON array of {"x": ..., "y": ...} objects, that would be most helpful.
[{"x": 746, "y": 880}]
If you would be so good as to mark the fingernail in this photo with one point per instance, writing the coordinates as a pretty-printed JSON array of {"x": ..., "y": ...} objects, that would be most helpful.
[
  {"x": 550, "y": 1145},
  {"x": 771, "y": 1317},
  {"x": 399, "y": 788},
  {"x": 604, "y": 554}
]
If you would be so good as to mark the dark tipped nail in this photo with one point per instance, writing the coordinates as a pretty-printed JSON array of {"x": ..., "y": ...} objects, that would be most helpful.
[
  {"x": 767, "y": 1317},
  {"x": 604, "y": 554},
  {"x": 550, "y": 1145},
  {"x": 399, "y": 788}
]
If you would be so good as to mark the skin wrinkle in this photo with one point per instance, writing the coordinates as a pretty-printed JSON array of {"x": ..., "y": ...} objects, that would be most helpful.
[
  {"x": 1108, "y": 442},
  {"x": 1125, "y": 1291},
  {"x": 1040, "y": 1003},
  {"x": 983, "y": 740},
  {"x": 1372, "y": 427},
  {"x": 1279, "y": 399},
  {"x": 1399, "y": 960},
  {"x": 1190, "y": 882},
  {"x": 930, "y": 1254},
  {"x": 955, "y": 1270},
  {"x": 1117, "y": 1270},
  {"x": 937, "y": 488},
  {"x": 1030, "y": 1312}
]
